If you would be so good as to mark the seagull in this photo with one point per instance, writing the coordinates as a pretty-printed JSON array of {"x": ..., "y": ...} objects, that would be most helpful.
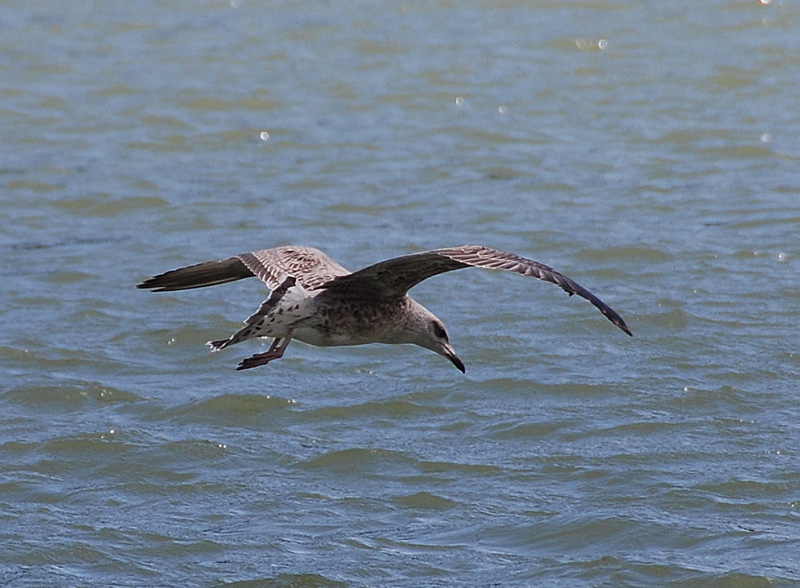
[{"x": 315, "y": 300}]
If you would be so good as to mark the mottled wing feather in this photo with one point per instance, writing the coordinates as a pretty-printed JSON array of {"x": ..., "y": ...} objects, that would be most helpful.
[
  {"x": 309, "y": 266},
  {"x": 478, "y": 256},
  {"x": 394, "y": 277}
]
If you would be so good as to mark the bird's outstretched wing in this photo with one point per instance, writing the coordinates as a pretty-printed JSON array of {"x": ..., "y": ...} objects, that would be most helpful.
[
  {"x": 309, "y": 266},
  {"x": 394, "y": 277}
]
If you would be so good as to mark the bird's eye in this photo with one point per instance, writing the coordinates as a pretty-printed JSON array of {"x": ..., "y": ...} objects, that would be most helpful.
[{"x": 438, "y": 330}]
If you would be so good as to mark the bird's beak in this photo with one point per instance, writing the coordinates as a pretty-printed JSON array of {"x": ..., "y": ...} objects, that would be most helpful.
[{"x": 450, "y": 354}]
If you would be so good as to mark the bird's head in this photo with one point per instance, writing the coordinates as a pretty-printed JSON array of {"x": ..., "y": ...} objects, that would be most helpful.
[{"x": 429, "y": 332}]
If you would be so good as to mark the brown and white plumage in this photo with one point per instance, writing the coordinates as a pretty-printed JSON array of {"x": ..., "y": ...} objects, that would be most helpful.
[{"x": 316, "y": 300}]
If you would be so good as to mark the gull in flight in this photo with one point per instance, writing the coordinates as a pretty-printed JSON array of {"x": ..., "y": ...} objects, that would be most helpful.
[{"x": 317, "y": 301}]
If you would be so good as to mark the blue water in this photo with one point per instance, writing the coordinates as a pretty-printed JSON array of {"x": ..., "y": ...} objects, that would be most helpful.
[{"x": 648, "y": 150}]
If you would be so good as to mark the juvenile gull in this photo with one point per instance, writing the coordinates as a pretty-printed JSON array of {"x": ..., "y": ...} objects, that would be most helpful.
[{"x": 317, "y": 301}]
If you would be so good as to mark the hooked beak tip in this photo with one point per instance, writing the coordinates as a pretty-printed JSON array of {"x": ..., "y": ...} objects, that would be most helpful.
[{"x": 458, "y": 363}]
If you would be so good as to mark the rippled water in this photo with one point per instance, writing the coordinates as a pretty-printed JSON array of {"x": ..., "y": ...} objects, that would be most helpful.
[{"x": 649, "y": 150}]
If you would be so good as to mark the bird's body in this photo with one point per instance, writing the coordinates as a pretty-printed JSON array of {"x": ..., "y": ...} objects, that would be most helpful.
[{"x": 317, "y": 301}]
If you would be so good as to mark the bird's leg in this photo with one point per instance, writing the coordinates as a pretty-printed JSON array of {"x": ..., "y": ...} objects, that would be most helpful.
[
  {"x": 274, "y": 345},
  {"x": 275, "y": 351}
]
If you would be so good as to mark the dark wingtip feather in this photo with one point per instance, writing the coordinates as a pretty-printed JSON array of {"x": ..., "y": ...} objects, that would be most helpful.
[
  {"x": 617, "y": 320},
  {"x": 624, "y": 327}
]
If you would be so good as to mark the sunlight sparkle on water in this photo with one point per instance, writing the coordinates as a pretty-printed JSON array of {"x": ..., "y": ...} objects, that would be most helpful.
[{"x": 585, "y": 44}]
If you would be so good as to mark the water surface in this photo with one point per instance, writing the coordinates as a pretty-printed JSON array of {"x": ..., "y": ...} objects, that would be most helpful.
[{"x": 648, "y": 150}]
